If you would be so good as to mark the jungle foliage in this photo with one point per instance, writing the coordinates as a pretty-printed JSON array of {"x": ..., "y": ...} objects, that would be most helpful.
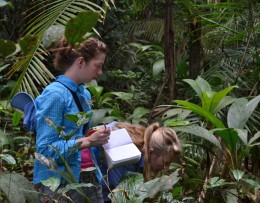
[{"x": 215, "y": 104}]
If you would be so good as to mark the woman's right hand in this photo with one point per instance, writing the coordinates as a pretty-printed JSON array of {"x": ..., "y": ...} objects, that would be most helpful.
[{"x": 100, "y": 137}]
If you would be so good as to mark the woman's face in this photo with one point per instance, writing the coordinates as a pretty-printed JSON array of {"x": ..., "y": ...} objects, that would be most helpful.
[
  {"x": 161, "y": 162},
  {"x": 93, "y": 68}
]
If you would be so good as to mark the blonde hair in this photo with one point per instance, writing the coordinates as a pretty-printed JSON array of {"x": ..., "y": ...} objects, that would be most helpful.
[{"x": 162, "y": 139}]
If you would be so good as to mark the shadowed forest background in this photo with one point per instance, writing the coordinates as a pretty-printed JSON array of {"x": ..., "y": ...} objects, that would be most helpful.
[{"x": 190, "y": 65}]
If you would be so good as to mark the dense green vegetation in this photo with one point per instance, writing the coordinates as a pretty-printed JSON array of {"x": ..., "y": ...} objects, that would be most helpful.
[{"x": 190, "y": 65}]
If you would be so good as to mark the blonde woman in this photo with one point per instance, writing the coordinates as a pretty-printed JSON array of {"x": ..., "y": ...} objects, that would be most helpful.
[{"x": 160, "y": 146}]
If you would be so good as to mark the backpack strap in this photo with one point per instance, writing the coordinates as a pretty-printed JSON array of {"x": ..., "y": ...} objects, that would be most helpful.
[{"x": 76, "y": 99}]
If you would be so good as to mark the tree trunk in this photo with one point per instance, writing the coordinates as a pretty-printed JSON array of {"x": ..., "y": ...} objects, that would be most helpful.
[
  {"x": 195, "y": 48},
  {"x": 169, "y": 48}
]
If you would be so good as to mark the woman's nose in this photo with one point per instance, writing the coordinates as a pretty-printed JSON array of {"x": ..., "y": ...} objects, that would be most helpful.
[{"x": 100, "y": 72}]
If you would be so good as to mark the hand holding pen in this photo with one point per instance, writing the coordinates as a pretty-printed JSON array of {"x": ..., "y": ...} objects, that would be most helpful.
[
  {"x": 100, "y": 136},
  {"x": 95, "y": 137}
]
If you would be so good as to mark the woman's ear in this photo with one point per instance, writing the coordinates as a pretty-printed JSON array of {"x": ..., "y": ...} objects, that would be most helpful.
[{"x": 80, "y": 61}]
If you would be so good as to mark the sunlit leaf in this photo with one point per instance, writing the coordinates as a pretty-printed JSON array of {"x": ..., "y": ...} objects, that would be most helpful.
[
  {"x": 123, "y": 95},
  {"x": 238, "y": 174},
  {"x": 158, "y": 67},
  {"x": 251, "y": 182},
  {"x": 3, "y": 3},
  {"x": 217, "y": 98},
  {"x": 215, "y": 182},
  {"x": 199, "y": 110},
  {"x": 7, "y": 158},
  {"x": 175, "y": 122},
  {"x": 200, "y": 132},
  {"x": 240, "y": 111},
  {"x": 254, "y": 138},
  {"x": 16, "y": 118},
  {"x": 74, "y": 186},
  {"x": 199, "y": 85},
  {"x": 180, "y": 113},
  {"x": 52, "y": 183}
]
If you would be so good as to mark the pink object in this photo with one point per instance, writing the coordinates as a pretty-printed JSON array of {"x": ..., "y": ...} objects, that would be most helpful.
[{"x": 86, "y": 159}]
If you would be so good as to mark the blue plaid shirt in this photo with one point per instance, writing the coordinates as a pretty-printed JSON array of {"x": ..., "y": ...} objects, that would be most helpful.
[{"x": 54, "y": 102}]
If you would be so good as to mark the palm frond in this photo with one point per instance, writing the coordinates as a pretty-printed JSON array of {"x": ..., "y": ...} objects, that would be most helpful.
[{"x": 34, "y": 73}]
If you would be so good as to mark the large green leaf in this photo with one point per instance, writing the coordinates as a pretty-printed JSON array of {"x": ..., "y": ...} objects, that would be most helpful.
[
  {"x": 254, "y": 138},
  {"x": 5, "y": 140},
  {"x": 52, "y": 183},
  {"x": 211, "y": 100},
  {"x": 123, "y": 95},
  {"x": 206, "y": 100},
  {"x": 7, "y": 47},
  {"x": 158, "y": 67},
  {"x": 199, "y": 110},
  {"x": 240, "y": 111},
  {"x": 17, "y": 188},
  {"x": 3, "y": 3},
  {"x": 227, "y": 100},
  {"x": 132, "y": 189},
  {"x": 29, "y": 43},
  {"x": 176, "y": 122},
  {"x": 199, "y": 85},
  {"x": 230, "y": 136},
  {"x": 16, "y": 118},
  {"x": 217, "y": 98},
  {"x": 179, "y": 113},
  {"x": 98, "y": 116},
  {"x": 237, "y": 174},
  {"x": 96, "y": 91},
  {"x": 77, "y": 27},
  {"x": 200, "y": 132},
  {"x": 7, "y": 158},
  {"x": 216, "y": 182}
]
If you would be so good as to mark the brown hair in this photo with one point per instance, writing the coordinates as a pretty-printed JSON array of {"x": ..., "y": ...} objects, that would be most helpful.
[
  {"x": 65, "y": 55},
  {"x": 164, "y": 141}
]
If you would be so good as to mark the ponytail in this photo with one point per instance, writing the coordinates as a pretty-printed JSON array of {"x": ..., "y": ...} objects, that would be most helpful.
[{"x": 146, "y": 149}]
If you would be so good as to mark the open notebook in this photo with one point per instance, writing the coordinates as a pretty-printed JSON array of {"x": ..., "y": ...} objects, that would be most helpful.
[{"x": 120, "y": 149}]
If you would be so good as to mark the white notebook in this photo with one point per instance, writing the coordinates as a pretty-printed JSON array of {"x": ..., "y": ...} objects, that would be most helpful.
[{"x": 120, "y": 149}]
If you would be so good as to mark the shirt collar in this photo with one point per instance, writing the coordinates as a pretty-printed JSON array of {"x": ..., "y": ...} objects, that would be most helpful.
[{"x": 69, "y": 83}]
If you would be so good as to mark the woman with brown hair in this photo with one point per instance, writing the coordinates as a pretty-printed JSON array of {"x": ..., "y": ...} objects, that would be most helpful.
[{"x": 67, "y": 95}]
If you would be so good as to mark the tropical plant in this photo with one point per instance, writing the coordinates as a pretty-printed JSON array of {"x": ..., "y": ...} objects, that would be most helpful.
[
  {"x": 233, "y": 145},
  {"x": 78, "y": 17},
  {"x": 79, "y": 119},
  {"x": 133, "y": 189}
]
